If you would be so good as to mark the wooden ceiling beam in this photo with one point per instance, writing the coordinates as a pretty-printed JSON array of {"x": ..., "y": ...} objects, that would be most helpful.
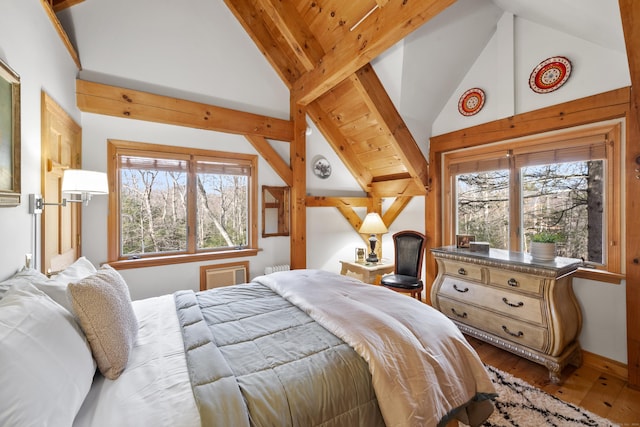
[
  {"x": 397, "y": 188},
  {"x": 630, "y": 14},
  {"x": 59, "y": 5},
  {"x": 256, "y": 27},
  {"x": 373, "y": 93},
  {"x": 132, "y": 104},
  {"x": 348, "y": 202},
  {"x": 382, "y": 29},
  {"x": 48, "y": 8},
  {"x": 296, "y": 34},
  {"x": 340, "y": 144},
  {"x": 272, "y": 157},
  {"x": 604, "y": 106},
  {"x": 395, "y": 209}
]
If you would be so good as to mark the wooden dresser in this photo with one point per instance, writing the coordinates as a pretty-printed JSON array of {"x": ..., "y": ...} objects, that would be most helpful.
[{"x": 512, "y": 302}]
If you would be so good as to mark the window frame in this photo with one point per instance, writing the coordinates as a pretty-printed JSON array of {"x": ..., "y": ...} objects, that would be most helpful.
[
  {"x": 116, "y": 148},
  {"x": 506, "y": 152}
]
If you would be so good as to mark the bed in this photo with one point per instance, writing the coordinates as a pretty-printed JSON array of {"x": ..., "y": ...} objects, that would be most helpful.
[{"x": 296, "y": 348}]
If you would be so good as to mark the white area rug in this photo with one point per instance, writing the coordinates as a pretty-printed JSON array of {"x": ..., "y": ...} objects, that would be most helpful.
[{"x": 520, "y": 404}]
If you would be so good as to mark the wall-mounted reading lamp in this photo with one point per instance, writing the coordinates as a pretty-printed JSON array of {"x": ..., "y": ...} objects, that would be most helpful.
[{"x": 74, "y": 181}]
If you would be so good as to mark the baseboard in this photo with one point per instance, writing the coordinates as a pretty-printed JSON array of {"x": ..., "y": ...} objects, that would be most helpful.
[{"x": 612, "y": 367}]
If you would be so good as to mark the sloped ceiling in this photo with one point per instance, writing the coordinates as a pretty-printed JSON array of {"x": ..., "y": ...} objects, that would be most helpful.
[
  {"x": 597, "y": 21},
  {"x": 321, "y": 50},
  {"x": 436, "y": 58}
]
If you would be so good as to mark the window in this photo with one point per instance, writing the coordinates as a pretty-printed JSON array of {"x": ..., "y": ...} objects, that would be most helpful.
[
  {"x": 568, "y": 184},
  {"x": 172, "y": 202}
]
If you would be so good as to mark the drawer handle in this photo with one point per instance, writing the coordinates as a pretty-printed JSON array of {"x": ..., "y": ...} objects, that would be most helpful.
[
  {"x": 510, "y": 304},
  {"x": 517, "y": 335},
  {"x": 462, "y": 271},
  {"x": 463, "y": 315},
  {"x": 455, "y": 286},
  {"x": 513, "y": 282}
]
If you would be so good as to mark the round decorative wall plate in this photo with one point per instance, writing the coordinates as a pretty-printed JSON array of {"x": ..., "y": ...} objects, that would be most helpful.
[
  {"x": 471, "y": 102},
  {"x": 321, "y": 167},
  {"x": 550, "y": 74}
]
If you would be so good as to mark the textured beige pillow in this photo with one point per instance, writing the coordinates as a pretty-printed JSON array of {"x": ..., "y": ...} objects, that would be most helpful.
[{"x": 102, "y": 304}]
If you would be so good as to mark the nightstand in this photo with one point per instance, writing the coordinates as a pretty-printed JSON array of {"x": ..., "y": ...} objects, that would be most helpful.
[{"x": 367, "y": 272}]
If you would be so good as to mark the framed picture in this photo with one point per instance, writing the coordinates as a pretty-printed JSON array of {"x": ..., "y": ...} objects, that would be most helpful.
[
  {"x": 464, "y": 240},
  {"x": 9, "y": 136}
]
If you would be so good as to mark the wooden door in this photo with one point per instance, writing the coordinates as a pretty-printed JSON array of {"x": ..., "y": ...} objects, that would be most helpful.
[{"x": 61, "y": 149}]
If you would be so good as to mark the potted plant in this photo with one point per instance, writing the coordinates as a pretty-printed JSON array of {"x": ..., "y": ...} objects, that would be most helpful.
[{"x": 543, "y": 245}]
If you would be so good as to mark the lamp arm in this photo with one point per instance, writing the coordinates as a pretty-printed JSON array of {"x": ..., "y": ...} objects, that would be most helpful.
[{"x": 37, "y": 203}]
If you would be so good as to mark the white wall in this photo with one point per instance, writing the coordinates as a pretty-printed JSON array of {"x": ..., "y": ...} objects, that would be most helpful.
[
  {"x": 150, "y": 281},
  {"x": 199, "y": 52},
  {"x": 595, "y": 70},
  {"x": 30, "y": 45}
]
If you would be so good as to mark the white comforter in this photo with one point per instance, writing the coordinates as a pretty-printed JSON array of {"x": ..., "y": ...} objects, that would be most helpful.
[{"x": 421, "y": 364}]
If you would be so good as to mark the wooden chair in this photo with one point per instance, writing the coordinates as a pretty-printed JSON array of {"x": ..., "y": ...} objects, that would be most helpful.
[{"x": 409, "y": 253}]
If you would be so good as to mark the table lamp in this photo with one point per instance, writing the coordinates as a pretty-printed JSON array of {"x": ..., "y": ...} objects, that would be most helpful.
[{"x": 373, "y": 225}]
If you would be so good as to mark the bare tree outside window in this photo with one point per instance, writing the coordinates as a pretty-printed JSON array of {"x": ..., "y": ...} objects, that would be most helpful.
[
  {"x": 154, "y": 207},
  {"x": 483, "y": 206},
  {"x": 222, "y": 208},
  {"x": 153, "y": 211},
  {"x": 566, "y": 198}
]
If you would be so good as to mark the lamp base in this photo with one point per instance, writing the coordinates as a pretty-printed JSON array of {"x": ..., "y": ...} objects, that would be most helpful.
[{"x": 373, "y": 256}]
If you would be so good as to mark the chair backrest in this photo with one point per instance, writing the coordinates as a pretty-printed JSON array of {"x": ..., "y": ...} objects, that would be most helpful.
[{"x": 409, "y": 246}]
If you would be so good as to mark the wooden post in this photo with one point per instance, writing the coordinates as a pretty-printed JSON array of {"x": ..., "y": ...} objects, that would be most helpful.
[
  {"x": 630, "y": 14},
  {"x": 298, "y": 161}
]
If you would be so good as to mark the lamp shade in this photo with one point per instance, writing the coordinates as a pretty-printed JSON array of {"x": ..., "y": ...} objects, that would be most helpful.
[
  {"x": 78, "y": 181},
  {"x": 373, "y": 224}
]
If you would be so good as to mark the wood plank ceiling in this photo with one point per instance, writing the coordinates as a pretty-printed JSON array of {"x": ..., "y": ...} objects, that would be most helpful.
[{"x": 321, "y": 49}]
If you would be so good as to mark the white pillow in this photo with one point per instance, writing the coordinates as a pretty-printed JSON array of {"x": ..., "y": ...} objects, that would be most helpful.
[
  {"x": 56, "y": 287},
  {"x": 47, "y": 367},
  {"x": 26, "y": 275},
  {"x": 80, "y": 269}
]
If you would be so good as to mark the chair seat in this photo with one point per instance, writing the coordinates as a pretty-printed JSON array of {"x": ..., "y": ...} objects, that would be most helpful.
[{"x": 401, "y": 281}]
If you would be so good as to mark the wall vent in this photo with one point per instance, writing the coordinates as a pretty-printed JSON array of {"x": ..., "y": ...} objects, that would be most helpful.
[
  {"x": 219, "y": 275},
  {"x": 274, "y": 268}
]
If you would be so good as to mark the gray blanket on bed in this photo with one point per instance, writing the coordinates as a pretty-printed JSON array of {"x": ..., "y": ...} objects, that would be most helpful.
[{"x": 256, "y": 359}]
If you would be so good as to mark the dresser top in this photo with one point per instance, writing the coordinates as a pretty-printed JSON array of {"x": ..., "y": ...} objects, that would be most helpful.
[{"x": 503, "y": 258}]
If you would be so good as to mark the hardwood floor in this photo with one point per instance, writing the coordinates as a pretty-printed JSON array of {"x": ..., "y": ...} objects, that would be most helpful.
[{"x": 594, "y": 390}]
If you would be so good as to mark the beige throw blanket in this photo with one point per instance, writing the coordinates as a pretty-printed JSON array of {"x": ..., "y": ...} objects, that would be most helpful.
[{"x": 424, "y": 371}]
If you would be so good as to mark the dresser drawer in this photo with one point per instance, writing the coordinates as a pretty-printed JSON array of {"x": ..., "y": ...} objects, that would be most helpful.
[
  {"x": 462, "y": 270},
  {"x": 514, "y": 305},
  {"x": 513, "y": 330},
  {"x": 516, "y": 281}
]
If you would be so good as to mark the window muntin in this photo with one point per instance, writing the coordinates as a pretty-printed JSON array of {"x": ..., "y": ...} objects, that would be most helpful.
[
  {"x": 173, "y": 201},
  {"x": 594, "y": 188}
]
